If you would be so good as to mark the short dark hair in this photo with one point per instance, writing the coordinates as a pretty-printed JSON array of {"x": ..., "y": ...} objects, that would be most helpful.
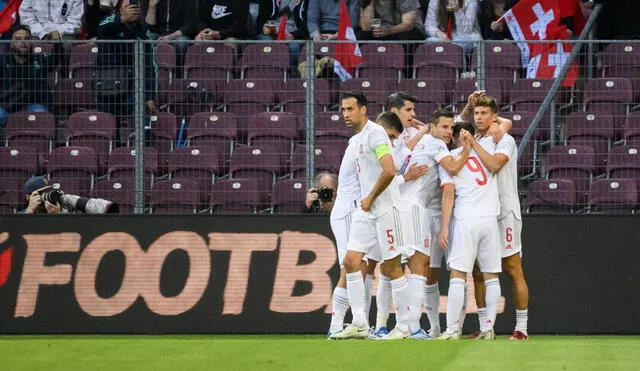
[
  {"x": 463, "y": 125},
  {"x": 19, "y": 27},
  {"x": 390, "y": 120},
  {"x": 358, "y": 95},
  {"x": 441, "y": 112},
  {"x": 397, "y": 99},
  {"x": 487, "y": 101}
]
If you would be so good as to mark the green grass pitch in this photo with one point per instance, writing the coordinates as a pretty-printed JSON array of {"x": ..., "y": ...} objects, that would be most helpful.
[{"x": 314, "y": 352}]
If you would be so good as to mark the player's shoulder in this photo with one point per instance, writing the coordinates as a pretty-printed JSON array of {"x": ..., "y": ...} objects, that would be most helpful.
[
  {"x": 431, "y": 140},
  {"x": 457, "y": 151},
  {"x": 507, "y": 139}
]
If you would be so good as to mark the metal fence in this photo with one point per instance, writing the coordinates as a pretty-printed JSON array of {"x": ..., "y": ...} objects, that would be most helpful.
[{"x": 245, "y": 127}]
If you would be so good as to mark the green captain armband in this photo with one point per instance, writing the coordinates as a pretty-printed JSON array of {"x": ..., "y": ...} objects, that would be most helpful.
[{"x": 382, "y": 150}]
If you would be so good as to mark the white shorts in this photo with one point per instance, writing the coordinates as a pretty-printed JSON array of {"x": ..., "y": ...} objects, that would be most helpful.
[
  {"x": 476, "y": 239},
  {"x": 436, "y": 253},
  {"x": 510, "y": 230},
  {"x": 417, "y": 230},
  {"x": 340, "y": 228},
  {"x": 379, "y": 238}
]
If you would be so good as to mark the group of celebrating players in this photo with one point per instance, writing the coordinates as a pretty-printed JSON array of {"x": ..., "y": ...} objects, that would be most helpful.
[{"x": 410, "y": 194}]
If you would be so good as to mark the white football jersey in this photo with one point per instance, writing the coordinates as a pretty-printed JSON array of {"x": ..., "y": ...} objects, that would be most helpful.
[
  {"x": 368, "y": 166},
  {"x": 402, "y": 154},
  {"x": 348, "y": 193},
  {"x": 508, "y": 178},
  {"x": 476, "y": 189},
  {"x": 428, "y": 151}
]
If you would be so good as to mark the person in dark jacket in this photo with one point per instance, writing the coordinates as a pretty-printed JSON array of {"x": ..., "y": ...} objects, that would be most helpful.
[
  {"x": 222, "y": 19},
  {"x": 23, "y": 76},
  {"x": 172, "y": 21},
  {"x": 124, "y": 25},
  {"x": 490, "y": 12},
  {"x": 296, "y": 13}
]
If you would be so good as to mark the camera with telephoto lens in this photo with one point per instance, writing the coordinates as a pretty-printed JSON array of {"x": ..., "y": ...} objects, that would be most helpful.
[
  {"x": 51, "y": 195},
  {"x": 75, "y": 203}
]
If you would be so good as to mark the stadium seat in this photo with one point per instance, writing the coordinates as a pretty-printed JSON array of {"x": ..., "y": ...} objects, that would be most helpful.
[
  {"x": 197, "y": 163},
  {"x": 262, "y": 164},
  {"x": 326, "y": 158},
  {"x": 165, "y": 58},
  {"x": 214, "y": 129},
  {"x": 528, "y": 163},
  {"x": 557, "y": 196},
  {"x": 528, "y": 95},
  {"x": 17, "y": 165},
  {"x": 613, "y": 196},
  {"x": 596, "y": 131},
  {"x": 320, "y": 50},
  {"x": 623, "y": 162},
  {"x": 464, "y": 87},
  {"x": 623, "y": 60},
  {"x": 632, "y": 129},
  {"x": 265, "y": 60},
  {"x": 236, "y": 196},
  {"x": 381, "y": 61},
  {"x": 502, "y": 62},
  {"x": 577, "y": 163},
  {"x": 438, "y": 61},
  {"x": 376, "y": 90},
  {"x": 207, "y": 60},
  {"x": 122, "y": 164},
  {"x": 73, "y": 95},
  {"x": 288, "y": 196},
  {"x": 612, "y": 96},
  {"x": 74, "y": 167},
  {"x": 292, "y": 96},
  {"x": 276, "y": 130},
  {"x": 175, "y": 197},
  {"x": 82, "y": 60},
  {"x": 191, "y": 95},
  {"x": 430, "y": 95},
  {"x": 119, "y": 191},
  {"x": 93, "y": 129},
  {"x": 248, "y": 97},
  {"x": 11, "y": 198},
  {"x": 163, "y": 133},
  {"x": 31, "y": 129}
]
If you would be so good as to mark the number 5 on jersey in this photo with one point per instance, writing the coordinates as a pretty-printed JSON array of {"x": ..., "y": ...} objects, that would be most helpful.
[{"x": 390, "y": 239}]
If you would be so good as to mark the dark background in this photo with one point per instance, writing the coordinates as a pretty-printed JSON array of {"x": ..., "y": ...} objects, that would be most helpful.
[{"x": 582, "y": 274}]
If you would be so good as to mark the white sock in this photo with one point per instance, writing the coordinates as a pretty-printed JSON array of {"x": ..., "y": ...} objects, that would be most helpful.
[
  {"x": 454, "y": 303},
  {"x": 493, "y": 298},
  {"x": 401, "y": 296},
  {"x": 522, "y": 316},
  {"x": 416, "y": 297},
  {"x": 383, "y": 301},
  {"x": 355, "y": 289},
  {"x": 432, "y": 299},
  {"x": 340, "y": 305},
  {"x": 482, "y": 316},
  {"x": 368, "y": 282},
  {"x": 463, "y": 312}
]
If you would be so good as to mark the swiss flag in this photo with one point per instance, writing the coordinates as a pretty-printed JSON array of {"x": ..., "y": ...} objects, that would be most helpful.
[
  {"x": 348, "y": 55},
  {"x": 8, "y": 15},
  {"x": 548, "y": 58},
  {"x": 532, "y": 20}
]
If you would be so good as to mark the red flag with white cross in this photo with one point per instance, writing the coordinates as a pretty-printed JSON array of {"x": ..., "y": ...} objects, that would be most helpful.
[{"x": 547, "y": 59}]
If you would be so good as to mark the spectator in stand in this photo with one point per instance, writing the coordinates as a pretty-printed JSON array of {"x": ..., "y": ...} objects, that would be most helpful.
[
  {"x": 115, "y": 66},
  {"x": 172, "y": 21},
  {"x": 222, "y": 20},
  {"x": 490, "y": 12},
  {"x": 23, "y": 76},
  {"x": 296, "y": 13},
  {"x": 323, "y": 17},
  {"x": 455, "y": 20},
  {"x": 96, "y": 11},
  {"x": 53, "y": 19},
  {"x": 390, "y": 20}
]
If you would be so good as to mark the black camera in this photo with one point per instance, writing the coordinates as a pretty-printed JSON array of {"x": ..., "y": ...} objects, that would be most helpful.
[
  {"x": 52, "y": 196},
  {"x": 325, "y": 194}
]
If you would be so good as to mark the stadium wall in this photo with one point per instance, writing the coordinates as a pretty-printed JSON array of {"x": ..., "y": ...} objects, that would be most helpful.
[{"x": 274, "y": 274}]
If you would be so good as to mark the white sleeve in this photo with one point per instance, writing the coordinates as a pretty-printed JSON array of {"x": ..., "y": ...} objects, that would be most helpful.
[
  {"x": 431, "y": 21},
  {"x": 28, "y": 18},
  {"x": 444, "y": 176},
  {"x": 376, "y": 138},
  {"x": 470, "y": 17},
  {"x": 74, "y": 20},
  {"x": 506, "y": 146},
  {"x": 439, "y": 151}
]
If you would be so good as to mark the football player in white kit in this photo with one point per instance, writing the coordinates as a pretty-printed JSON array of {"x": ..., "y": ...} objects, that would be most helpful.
[
  {"x": 376, "y": 225},
  {"x": 504, "y": 164},
  {"x": 476, "y": 232}
]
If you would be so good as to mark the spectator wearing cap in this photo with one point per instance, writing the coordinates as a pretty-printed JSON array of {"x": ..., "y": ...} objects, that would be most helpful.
[
  {"x": 33, "y": 190},
  {"x": 23, "y": 77}
]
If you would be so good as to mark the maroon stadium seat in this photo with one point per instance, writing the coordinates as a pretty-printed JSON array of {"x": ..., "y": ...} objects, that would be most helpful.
[
  {"x": 265, "y": 60},
  {"x": 17, "y": 165},
  {"x": 438, "y": 61},
  {"x": 72, "y": 95},
  {"x": 175, "y": 197},
  {"x": 326, "y": 158},
  {"x": 262, "y": 164},
  {"x": 430, "y": 95},
  {"x": 623, "y": 60},
  {"x": 502, "y": 62},
  {"x": 381, "y": 61},
  {"x": 464, "y": 87},
  {"x": 277, "y": 130},
  {"x": 527, "y": 164},
  {"x": 624, "y": 162},
  {"x": 93, "y": 129},
  {"x": 68, "y": 165},
  {"x": 82, "y": 60},
  {"x": 292, "y": 96},
  {"x": 376, "y": 90},
  {"x": 122, "y": 163},
  {"x": 609, "y": 95},
  {"x": 552, "y": 196},
  {"x": 597, "y": 131},
  {"x": 248, "y": 97},
  {"x": 214, "y": 129},
  {"x": 197, "y": 163},
  {"x": 288, "y": 196},
  {"x": 236, "y": 196},
  {"x": 577, "y": 163},
  {"x": 31, "y": 129},
  {"x": 119, "y": 191},
  {"x": 613, "y": 195},
  {"x": 632, "y": 129}
]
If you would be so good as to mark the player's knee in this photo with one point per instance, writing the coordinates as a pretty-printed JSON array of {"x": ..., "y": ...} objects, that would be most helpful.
[
  {"x": 513, "y": 268},
  {"x": 351, "y": 263},
  {"x": 433, "y": 276}
]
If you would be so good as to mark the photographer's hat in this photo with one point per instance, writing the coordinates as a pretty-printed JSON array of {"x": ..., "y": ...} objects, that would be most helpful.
[{"x": 35, "y": 184}]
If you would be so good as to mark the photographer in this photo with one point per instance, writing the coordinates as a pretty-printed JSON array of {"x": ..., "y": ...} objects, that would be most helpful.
[
  {"x": 320, "y": 198},
  {"x": 34, "y": 189},
  {"x": 43, "y": 198}
]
